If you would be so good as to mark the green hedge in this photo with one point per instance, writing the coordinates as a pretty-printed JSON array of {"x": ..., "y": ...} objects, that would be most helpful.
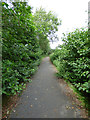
[
  {"x": 73, "y": 59},
  {"x": 20, "y": 48}
]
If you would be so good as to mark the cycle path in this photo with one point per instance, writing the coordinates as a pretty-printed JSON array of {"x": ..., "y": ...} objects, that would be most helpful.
[{"x": 44, "y": 97}]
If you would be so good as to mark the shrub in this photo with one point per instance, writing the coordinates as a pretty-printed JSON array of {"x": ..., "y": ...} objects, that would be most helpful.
[
  {"x": 72, "y": 59},
  {"x": 21, "y": 51}
]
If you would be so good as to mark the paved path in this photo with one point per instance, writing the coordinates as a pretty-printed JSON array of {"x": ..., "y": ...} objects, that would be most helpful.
[{"x": 44, "y": 98}]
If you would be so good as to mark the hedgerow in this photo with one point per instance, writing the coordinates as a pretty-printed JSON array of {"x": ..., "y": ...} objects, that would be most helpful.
[
  {"x": 21, "y": 52},
  {"x": 73, "y": 59}
]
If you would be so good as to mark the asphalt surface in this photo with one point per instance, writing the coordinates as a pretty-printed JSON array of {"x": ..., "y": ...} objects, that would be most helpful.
[{"x": 44, "y": 98}]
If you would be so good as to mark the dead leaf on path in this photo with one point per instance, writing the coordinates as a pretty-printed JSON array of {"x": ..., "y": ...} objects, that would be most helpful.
[
  {"x": 35, "y": 98},
  {"x": 8, "y": 112},
  {"x": 72, "y": 107},
  {"x": 67, "y": 107},
  {"x": 15, "y": 105},
  {"x": 31, "y": 106},
  {"x": 14, "y": 110}
]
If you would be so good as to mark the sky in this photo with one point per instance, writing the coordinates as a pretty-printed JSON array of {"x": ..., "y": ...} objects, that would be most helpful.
[{"x": 72, "y": 13}]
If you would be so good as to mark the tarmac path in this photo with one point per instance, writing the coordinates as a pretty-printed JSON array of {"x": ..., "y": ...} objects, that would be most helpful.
[{"x": 44, "y": 98}]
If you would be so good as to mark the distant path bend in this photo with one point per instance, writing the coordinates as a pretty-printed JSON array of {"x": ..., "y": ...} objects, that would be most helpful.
[{"x": 44, "y": 98}]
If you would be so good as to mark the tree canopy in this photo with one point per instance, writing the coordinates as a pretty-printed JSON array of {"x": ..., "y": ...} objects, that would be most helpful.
[{"x": 47, "y": 25}]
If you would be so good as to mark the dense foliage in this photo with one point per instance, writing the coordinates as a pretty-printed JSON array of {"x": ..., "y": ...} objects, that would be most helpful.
[
  {"x": 73, "y": 59},
  {"x": 21, "y": 51},
  {"x": 25, "y": 39}
]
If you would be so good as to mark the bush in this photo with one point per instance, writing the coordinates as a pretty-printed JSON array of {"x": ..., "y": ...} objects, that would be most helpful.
[
  {"x": 21, "y": 51},
  {"x": 72, "y": 59}
]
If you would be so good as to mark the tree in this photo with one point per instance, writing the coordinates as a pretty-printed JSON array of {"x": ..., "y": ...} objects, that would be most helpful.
[
  {"x": 21, "y": 52},
  {"x": 47, "y": 24}
]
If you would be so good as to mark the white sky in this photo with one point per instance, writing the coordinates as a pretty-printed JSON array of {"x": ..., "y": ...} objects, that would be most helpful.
[{"x": 71, "y": 12}]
